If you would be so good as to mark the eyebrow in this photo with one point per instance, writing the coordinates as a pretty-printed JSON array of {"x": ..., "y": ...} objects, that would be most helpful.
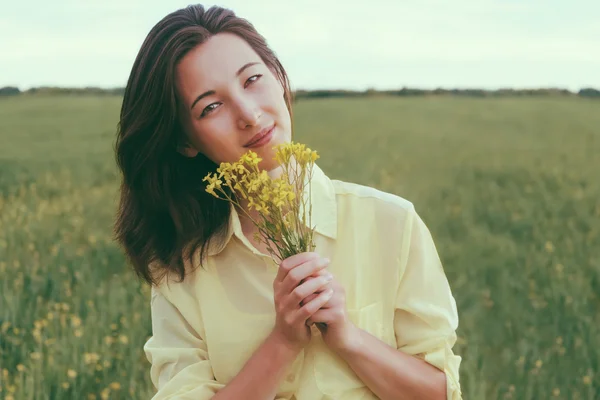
[{"x": 211, "y": 92}]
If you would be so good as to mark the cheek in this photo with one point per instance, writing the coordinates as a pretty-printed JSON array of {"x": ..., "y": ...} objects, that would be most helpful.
[{"x": 207, "y": 139}]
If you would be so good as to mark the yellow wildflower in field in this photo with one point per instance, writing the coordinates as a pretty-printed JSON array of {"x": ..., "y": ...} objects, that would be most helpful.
[
  {"x": 104, "y": 394},
  {"x": 72, "y": 374},
  {"x": 75, "y": 321},
  {"x": 90, "y": 358},
  {"x": 279, "y": 202},
  {"x": 115, "y": 386}
]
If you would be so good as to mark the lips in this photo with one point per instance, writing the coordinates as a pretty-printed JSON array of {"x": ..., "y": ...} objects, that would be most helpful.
[{"x": 259, "y": 135}]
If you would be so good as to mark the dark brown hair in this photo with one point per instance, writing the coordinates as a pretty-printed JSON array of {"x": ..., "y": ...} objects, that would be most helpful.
[{"x": 164, "y": 214}]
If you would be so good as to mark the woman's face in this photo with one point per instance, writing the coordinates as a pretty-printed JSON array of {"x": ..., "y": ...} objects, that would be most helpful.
[{"x": 229, "y": 95}]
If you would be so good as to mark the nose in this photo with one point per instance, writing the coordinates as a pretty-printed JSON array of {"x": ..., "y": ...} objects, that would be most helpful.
[{"x": 249, "y": 114}]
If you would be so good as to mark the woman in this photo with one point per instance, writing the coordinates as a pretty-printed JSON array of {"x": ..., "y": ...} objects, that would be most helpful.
[{"x": 232, "y": 324}]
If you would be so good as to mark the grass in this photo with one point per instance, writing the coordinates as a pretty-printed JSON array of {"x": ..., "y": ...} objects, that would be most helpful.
[{"x": 509, "y": 188}]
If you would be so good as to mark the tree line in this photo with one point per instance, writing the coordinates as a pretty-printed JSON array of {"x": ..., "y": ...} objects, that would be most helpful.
[{"x": 308, "y": 94}]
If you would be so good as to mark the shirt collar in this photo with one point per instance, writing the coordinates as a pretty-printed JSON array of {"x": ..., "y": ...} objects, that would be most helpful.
[{"x": 324, "y": 210}]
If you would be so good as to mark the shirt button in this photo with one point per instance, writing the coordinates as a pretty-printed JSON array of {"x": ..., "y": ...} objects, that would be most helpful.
[{"x": 290, "y": 378}]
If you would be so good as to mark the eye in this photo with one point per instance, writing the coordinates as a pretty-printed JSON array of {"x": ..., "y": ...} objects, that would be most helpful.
[
  {"x": 209, "y": 108},
  {"x": 258, "y": 76}
]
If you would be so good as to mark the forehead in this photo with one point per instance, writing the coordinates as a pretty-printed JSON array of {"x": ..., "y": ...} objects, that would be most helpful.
[{"x": 213, "y": 64}]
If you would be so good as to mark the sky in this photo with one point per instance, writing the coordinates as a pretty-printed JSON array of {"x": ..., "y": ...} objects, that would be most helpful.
[{"x": 326, "y": 44}]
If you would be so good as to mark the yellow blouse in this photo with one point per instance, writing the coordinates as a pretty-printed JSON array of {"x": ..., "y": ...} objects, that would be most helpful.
[{"x": 206, "y": 328}]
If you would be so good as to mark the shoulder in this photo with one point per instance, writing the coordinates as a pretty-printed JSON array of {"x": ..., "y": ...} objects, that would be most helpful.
[{"x": 370, "y": 199}]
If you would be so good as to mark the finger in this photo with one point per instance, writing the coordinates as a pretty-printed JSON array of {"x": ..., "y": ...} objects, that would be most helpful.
[
  {"x": 297, "y": 274},
  {"x": 310, "y": 297},
  {"x": 331, "y": 303},
  {"x": 309, "y": 309},
  {"x": 291, "y": 262},
  {"x": 325, "y": 316},
  {"x": 300, "y": 292},
  {"x": 320, "y": 272},
  {"x": 328, "y": 304},
  {"x": 328, "y": 316},
  {"x": 317, "y": 292}
]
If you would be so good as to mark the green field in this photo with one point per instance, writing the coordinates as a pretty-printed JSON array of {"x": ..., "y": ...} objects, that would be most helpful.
[{"x": 510, "y": 188}]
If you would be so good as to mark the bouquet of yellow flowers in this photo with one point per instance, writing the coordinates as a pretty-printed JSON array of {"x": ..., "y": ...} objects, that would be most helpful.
[{"x": 279, "y": 202}]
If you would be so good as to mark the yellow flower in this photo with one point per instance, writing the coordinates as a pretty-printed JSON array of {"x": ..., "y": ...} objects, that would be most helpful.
[
  {"x": 210, "y": 189},
  {"x": 115, "y": 386},
  {"x": 71, "y": 374},
  {"x": 75, "y": 321},
  {"x": 105, "y": 393},
  {"x": 65, "y": 385},
  {"x": 20, "y": 367},
  {"x": 90, "y": 358},
  {"x": 271, "y": 198}
]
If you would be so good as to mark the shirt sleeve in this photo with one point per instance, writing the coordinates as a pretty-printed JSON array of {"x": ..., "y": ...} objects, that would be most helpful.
[
  {"x": 180, "y": 367},
  {"x": 425, "y": 317}
]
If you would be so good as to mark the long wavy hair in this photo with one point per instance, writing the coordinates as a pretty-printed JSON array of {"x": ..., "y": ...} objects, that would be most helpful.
[{"x": 165, "y": 215}]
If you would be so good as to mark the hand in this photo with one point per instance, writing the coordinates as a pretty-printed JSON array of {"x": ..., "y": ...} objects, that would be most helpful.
[
  {"x": 291, "y": 287},
  {"x": 337, "y": 330}
]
